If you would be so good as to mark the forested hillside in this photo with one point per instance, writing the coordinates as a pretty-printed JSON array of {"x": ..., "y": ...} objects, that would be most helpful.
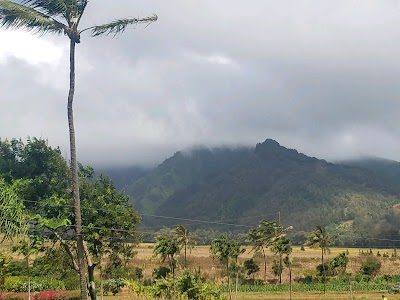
[{"x": 237, "y": 184}]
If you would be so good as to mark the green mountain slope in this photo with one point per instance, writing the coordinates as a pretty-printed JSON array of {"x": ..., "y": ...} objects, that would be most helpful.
[{"x": 237, "y": 184}]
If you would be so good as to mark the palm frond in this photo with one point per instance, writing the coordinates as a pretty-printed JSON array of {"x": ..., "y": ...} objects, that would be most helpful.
[
  {"x": 16, "y": 16},
  {"x": 81, "y": 5},
  {"x": 118, "y": 26},
  {"x": 54, "y": 8}
]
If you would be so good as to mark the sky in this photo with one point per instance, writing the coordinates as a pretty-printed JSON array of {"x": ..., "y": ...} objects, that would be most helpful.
[{"x": 318, "y": 76}]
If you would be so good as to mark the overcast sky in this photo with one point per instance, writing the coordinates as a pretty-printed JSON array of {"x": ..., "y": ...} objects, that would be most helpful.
[{"x": 319, "y": 76}]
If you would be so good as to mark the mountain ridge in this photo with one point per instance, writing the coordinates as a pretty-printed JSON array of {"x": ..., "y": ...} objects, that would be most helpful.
[{"x": 224, "y": 183}]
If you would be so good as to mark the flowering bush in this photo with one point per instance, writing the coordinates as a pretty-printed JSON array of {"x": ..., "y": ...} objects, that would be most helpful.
[{"x": 50, "y": 295}]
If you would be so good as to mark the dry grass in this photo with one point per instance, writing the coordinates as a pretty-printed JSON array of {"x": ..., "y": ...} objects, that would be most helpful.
[{"x": 304, "y": 262}]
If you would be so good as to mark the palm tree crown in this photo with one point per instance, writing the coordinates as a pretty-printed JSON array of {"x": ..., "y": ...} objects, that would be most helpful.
[{"x": 59, "y": 17}]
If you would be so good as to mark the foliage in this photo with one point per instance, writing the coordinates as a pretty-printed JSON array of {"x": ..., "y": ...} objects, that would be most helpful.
[
  {"x": 339, "y": 263},
  {"x": 187, "y": 286},
  {"x": 325, "y": 270},
  {"x": 251, "y": 267},
  {"x": 161, "y": 272},
  {"x": 277, "y": 268},
  {"x": 183, "y": 240},
  {"x": 267, "y": 179},
  {"x": 19, "y": 284},
  {"x": 113, "y": 285},
  {"x": 371, "y": 266},
  {"x": 167, "y": 247},
  {"x": 12, "y": 211}
]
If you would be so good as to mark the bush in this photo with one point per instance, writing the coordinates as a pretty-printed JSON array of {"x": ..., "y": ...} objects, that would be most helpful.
[
  {"x": 328, "y": 270},
  {"x": 113, "y": 285},
  {"x": 50, "y": 295},
  {"x": 371, "y": 266},
  {"x": 38, "y": 284},
  {"x": 13, "y": 283},
  {"x": 17, "y": 268},
  {"x": 161, "y": 272}
]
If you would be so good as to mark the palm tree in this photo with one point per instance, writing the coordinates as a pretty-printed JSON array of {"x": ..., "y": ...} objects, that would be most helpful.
[
  {"x": 63, "y": 17},
  {"x": 319, "y": 239},
  {"x": 263, "y": 236},
  {"x": 183, "y": 239}
]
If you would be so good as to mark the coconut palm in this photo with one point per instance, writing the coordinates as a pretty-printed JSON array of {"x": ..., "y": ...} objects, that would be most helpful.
[
  {"x": 319, "y": 239},
  {"x": 183, "y": 239},
  {"x": 64, "y": 17}
]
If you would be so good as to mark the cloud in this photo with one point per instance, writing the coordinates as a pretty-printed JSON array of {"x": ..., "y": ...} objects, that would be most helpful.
[{"x": 320, "y": 77}]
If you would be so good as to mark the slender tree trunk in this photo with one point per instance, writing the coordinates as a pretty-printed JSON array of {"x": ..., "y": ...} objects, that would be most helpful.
[
  {"x": 185, "y": 257},
  {"x": 236, "y": 285},
  {"x": 229, "y": 281},
  {"x": 290, "y": 281},
  {"x": 323, "y": 268},
  {"x": 265, "y": 265},
  {"x": 92, "y": 286},
  {"x": 74, "y": 171},
  {"x": 101, "y": 281},
  {"x": 29, "y": 278},
  {"x": 280, "y": 269}
]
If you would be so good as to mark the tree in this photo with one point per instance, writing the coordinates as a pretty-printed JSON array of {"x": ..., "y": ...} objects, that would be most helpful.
[
  {"x": 251, "y": 267},
  {"x": 288, "y": 262},
  {"x": 12, "y": 211},
  {"x": 338, "y": 264},
  {"x": 319, "y": 239},
  {"x": 109, "y": 224},
  {"x": 167, "y": 247},
  {"x": 28, "y": 247},
  {"x": 63, "y": 17},
  {"x": 226, "y": 250},
  {"x": 263, "y": 236},
  {"x": 281, "y": 247},
  {"x": 183, "y": 239}
]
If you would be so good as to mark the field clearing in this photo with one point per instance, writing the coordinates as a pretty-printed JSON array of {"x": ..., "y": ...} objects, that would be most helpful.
[{"x": 304, "y": 262}]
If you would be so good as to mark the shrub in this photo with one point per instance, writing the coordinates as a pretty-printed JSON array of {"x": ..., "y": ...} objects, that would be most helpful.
[
  {"x": 328, "y": 270},
  {"x": 371, "y": 266},
  {"x": 38, "y": 284},
  {"x": 113, "y": 285},
  {"x": 17, "y": 268},
  {"x": 161, "y": 272},
  {"x": 13, "y": 283},
  {"x": 50, "y": 295}
]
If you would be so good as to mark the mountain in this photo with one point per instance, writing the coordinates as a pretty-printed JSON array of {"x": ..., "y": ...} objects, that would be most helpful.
[
  {"x": 123, "y": 176},
  {"x": 387, "y": 169},
  {"x": 243, "y": 185}
]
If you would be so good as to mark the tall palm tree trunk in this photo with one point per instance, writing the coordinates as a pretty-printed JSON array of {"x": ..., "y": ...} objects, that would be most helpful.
[
  {"x": 74, "y": 171},
  {"x": 323, "y": 268}
]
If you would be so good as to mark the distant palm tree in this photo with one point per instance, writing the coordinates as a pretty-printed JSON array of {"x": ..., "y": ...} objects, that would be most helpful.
[
  {"x": 319, "y": 239},
  {"x": 183, "y": 239},
  {"x": 63, "y": 17}
]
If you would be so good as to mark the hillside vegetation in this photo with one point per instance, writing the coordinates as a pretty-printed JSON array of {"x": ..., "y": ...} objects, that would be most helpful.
[{"x": 236, "y": 184}]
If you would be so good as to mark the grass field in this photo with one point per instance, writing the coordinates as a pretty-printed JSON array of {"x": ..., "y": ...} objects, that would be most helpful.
[{"x": 304, "y": 263}]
